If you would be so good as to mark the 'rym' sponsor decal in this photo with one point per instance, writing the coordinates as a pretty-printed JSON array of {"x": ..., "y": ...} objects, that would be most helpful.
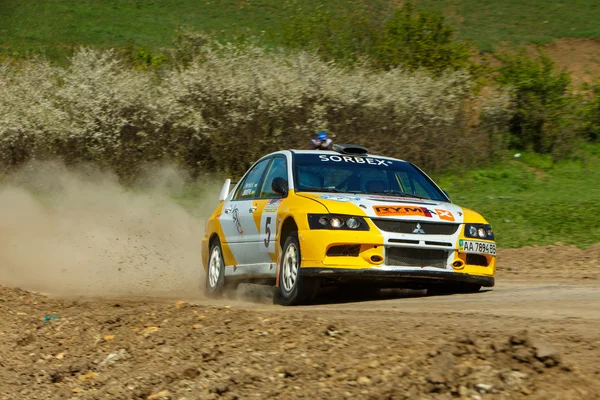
[{"x": 388, "y": 211}]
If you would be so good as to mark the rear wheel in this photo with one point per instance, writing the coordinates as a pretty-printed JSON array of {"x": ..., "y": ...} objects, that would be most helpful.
[
  {"x": 294, "y": 288},
  {"x": 215, "y": 273}
]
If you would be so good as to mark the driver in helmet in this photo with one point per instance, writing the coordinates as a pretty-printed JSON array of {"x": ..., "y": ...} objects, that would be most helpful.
[{"x": 321, "y": 142}]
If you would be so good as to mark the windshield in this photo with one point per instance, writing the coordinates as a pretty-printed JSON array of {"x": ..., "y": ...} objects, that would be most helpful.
[{"x": 354, "y": 174}]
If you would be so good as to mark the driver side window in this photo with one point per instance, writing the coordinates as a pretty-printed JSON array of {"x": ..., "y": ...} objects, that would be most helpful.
[{"x": 248, "y": 189}]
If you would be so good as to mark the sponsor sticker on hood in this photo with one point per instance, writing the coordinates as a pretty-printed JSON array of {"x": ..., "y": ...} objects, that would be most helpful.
[
  {"x": 402, "y": 211},
  {"x": 338, "y": 198}
]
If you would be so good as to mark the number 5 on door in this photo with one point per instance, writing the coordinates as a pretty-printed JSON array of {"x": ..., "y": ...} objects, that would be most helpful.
[{"x": 267, "y": 233}]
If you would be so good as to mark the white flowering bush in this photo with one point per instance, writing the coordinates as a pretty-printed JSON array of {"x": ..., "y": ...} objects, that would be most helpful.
[
  {"x": 224, "y": 109},
  {"x": 93, "y": 110}
]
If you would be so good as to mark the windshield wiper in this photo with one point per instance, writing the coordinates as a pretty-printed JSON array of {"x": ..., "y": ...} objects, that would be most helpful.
[
  {"x": 397, "y": 192},
  {"x": 321, "y": 189}
]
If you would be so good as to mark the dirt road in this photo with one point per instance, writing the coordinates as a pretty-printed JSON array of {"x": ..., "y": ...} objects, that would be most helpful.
[{"x": 536, "y": 335}]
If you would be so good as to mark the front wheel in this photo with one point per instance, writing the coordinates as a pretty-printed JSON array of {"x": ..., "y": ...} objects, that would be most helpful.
[{"x": 294, "y": 288}]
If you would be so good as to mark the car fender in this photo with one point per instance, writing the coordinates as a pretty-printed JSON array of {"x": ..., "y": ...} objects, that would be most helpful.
[{"x": 212, "y": 230}]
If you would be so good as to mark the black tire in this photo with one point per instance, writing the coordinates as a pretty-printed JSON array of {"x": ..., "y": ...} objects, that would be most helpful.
[
  {"x": 215, "y": 284},
  {"x": 294, "y": 289}
]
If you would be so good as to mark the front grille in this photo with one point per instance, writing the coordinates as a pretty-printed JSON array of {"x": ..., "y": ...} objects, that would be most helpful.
[
  {"x": 409, "y": 257},
  {"x": 405, "y": 241},
  {"x": 430, "y": 228},
  {"x": 346, "y": 250},
  {"x": 438, "y": 244},
  {"x": 477, "y": 259}
]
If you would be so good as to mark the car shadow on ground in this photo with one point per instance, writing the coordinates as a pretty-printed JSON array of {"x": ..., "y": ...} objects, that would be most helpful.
[
  {"x": 265, "y": 294},
  {"x": 340, "y": 296}
]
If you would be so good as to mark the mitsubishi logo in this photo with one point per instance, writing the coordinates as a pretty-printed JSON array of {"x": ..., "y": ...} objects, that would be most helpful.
[{"x": 419, "y": 229}]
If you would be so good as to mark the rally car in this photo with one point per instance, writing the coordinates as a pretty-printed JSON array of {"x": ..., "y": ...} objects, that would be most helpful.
[{"x": 300, "y": 219}]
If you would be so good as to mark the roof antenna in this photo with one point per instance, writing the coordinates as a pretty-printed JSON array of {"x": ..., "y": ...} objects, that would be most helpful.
[{"x": 350, "y": 149}]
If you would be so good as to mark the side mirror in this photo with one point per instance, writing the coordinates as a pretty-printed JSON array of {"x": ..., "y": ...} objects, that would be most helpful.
[
  {"x": 225, "y": 190},
  {"x": 280, "y": 186}
]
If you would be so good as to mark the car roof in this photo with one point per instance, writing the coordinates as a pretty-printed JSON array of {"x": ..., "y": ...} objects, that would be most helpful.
[{"x": 328, "y": 152}]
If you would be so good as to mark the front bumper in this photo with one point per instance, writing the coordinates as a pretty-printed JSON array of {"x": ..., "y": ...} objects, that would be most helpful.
[
  {"x": 408, "y": 278},
  {"x": 371, "y": 261}
]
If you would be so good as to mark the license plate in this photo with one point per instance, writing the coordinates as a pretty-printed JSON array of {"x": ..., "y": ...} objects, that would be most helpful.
[{"x": 472, "y": 246}]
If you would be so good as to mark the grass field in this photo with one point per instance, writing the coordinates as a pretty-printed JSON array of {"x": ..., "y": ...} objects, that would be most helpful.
[
  {"x": 490, "y": 23},
  {"x": 530, "y": 200},
  {"x": 55, "y": 28}
]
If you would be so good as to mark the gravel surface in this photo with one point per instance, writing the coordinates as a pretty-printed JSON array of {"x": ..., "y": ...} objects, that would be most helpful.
[{"x": 536, "y": 335}]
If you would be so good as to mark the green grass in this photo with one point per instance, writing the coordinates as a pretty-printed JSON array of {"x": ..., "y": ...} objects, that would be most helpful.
[
  {"x": 490, "y": 23},
  {"x": 531, "y": 201},
  {"x": 56, "y": 27}
]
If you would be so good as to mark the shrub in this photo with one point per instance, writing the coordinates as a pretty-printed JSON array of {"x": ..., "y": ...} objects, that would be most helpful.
[
  {"x": 345, "y": 36},
  {"x": 419, "y": 39},
  {"x": 255, "y": 102},
  {"x": 228, "y": 107},
  {"x": 188, "y": 45},
  {"x": 591, "y": 114},
  {"x": 540, "y": 101},
  {"x": 494, "y": 120},
  {"x": 408, "y": 38}
]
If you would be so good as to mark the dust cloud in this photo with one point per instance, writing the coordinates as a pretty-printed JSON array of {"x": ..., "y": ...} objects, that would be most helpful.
[{"x": 79, "y": 232}]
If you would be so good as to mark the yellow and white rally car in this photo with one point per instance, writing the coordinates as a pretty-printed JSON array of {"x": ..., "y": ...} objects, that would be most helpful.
[{"x": 300, "y": 219}]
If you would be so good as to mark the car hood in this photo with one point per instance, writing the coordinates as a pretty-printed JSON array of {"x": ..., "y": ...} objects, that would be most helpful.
[{"x": 379, "y": 206}]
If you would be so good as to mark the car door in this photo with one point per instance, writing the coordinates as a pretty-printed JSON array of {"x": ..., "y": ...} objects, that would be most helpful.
[
  {"x": 265, "y": 216},
  {"x": 236, "y": 220}
]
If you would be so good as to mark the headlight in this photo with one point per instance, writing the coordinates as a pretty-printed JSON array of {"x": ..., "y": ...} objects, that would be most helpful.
[
  {"x": 479, "y": 231},
  {"x": 352, "y": 223},
  {"x": 472, "y": 231},
  {"x": 334, "y": 221}
]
